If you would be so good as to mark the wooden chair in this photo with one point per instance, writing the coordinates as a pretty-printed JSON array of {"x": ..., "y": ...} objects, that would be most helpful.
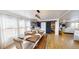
[{"x": 18, "y": 43}]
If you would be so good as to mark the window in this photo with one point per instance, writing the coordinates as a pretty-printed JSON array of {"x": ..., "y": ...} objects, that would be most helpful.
[
  {"x": 27, "y": 25},
  {"x": 21, "y": 26},
  {"x": 9, "y": 29}
]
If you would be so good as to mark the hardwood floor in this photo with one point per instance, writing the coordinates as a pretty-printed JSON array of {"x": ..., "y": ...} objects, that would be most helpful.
[
  {"x": 64, "y": 41},
  {"x": 42, "y": 43}
]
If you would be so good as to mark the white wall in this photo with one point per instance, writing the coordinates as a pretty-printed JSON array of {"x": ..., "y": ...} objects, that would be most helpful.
[{"x": 43, "y": 26}]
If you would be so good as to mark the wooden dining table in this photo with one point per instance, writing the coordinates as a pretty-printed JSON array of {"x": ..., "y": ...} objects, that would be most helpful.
[
  {"x": 30, "y": 40},
  {"x": 35, "y": 38}
]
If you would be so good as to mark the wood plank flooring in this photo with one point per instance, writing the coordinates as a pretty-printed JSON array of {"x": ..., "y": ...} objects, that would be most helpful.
[{"x": 65, "y": 41}]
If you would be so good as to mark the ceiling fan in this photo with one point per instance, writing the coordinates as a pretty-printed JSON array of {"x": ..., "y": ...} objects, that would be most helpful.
[{"x": 38, "y": 11}]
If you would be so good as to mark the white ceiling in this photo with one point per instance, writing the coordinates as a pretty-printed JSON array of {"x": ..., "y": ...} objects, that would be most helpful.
[
  {"x": 44, "y": 14},
  {"x": 71, "y": 15},
  {"x": 48, "y": 14},
  {"x": 51, "y": 14},
  {"x": 25, "y": 13}
]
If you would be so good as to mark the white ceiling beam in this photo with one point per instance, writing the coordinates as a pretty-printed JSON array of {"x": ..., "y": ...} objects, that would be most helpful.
[{"x": 64, "y": 14}]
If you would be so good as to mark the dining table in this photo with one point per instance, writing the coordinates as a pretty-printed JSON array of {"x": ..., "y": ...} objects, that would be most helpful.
[{"x": 29, "y": 41}]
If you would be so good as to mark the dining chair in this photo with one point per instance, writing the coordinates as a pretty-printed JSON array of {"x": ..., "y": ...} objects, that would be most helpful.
[{"x": 18, "y": 43}]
